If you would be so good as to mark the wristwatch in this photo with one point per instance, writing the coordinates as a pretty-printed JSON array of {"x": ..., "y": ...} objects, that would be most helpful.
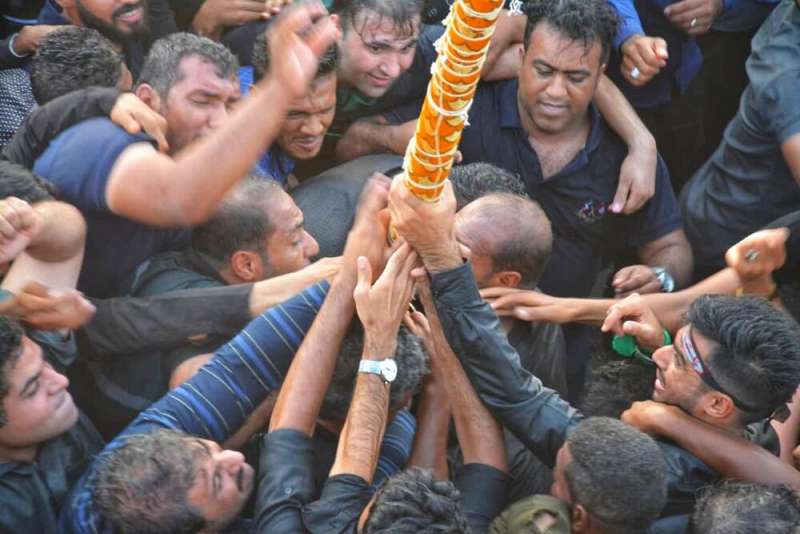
[
  {"x": 387, "y": 369},
  {"x": 665, "y": 279}
]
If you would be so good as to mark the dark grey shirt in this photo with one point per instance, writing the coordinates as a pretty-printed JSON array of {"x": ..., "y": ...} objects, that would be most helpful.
[{"x": 746, "y": 184}]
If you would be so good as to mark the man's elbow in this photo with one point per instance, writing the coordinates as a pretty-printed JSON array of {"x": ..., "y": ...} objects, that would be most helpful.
[{"x": 69, "y": 239}]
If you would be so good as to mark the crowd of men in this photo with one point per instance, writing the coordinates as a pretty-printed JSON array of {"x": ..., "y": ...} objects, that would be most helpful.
[{"x": 221, "y": 310}]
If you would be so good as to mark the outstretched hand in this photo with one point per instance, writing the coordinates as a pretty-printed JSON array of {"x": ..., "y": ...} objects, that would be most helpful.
[
  {"x": 48, "y": 309},
  {"x": 381, "y": 306},
  {"x": 300, "y": 36}
]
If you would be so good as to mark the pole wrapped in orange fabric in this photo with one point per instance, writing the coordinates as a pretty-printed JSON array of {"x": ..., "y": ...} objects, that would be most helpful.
[{"x": 454, "y": 76}]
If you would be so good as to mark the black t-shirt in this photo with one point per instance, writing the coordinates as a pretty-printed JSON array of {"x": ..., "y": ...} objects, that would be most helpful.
[
  {"x": 287, "y": 500},
  {"x": 747, "y": 182}
]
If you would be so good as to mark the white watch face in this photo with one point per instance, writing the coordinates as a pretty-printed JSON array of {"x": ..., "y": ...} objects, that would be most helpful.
[{"x": 389, "y": 370}]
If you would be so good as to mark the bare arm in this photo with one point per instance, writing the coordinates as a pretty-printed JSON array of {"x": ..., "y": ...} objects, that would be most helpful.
[
  {"x": 268, "y": 293},
  {"x": 49, "y": 251},
  {"x": 429, "y": 450},
  {"x": 637, "y": 179},
  {"x": 789, "y": 430},
  {"x": 479, "y": 433},
  {"x": 791, "y": 153},
  {"x": 373, "y": 135},
  {"x": 380, "y": 307},
  {"x": 673, "y": 253},
  {"x": 668, "y": 307},
  {"x": 298, "y": 403},
  {"x": 729, "y": 455},
  {"x": 191, "y": 186}
]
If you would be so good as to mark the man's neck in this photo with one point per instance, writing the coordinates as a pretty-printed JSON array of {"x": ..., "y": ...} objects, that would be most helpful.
[
  {"x": 555, "y": 149},
  {"x": 22, "y": 454}
]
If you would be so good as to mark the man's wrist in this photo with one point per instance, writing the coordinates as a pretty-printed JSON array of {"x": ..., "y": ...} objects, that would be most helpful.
[
  {"x": 13, "y": 43},
  {"x": 443, "y": 259},
  {"x": 378, "y": 346}
]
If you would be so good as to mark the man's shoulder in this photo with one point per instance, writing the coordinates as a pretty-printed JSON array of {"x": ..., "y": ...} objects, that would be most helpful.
[
  {"x": 172, "y": 271},
  {"x": 79, "y": 160}
]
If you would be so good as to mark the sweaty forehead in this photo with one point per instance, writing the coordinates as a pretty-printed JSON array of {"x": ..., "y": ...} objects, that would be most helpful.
[
  {"x": 374, "y": 27},
  {"x": 199, "y": 74}
]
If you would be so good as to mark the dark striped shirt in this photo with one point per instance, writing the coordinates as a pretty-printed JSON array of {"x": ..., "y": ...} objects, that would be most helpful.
[{"x": 215, "y": 402}]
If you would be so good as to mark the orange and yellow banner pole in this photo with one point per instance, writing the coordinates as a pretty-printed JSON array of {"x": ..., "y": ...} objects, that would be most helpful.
[{"x": 455, "y": 74}]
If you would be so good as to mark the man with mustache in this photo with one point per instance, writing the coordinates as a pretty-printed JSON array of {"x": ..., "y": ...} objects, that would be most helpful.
[{"x": 123, "y": 22}]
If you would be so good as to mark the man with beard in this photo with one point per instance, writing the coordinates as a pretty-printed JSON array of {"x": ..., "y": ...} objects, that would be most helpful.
[{"x": 123, "y": 22}]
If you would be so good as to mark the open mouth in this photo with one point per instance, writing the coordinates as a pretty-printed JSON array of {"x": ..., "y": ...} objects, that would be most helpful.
[{"x": 129, "y": 14}]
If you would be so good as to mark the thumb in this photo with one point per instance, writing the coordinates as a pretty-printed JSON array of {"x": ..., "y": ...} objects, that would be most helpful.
[
  {"x": 640, "y": 331},
  {"x": 129, "y": 123},
  {"x": 660, "y": 48},
  {"x": 364, "y": 276},
  {"x": 621, "y": 196}
]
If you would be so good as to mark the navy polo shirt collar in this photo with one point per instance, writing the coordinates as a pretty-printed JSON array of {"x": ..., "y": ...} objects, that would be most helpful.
[{"x": 509, "y": 118}]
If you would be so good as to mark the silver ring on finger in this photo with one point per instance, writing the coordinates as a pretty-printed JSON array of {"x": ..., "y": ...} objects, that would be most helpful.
[
  {"x": 693, "y": 23},
  {"x": 635, "y": 73},
  {"x": 751, "y": 255}
]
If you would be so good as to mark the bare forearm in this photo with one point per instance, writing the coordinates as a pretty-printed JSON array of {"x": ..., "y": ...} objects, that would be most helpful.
[
  {"x": 479, "y": 433},
  {"x": 361, "y": 437},
  {"x": 621, "y": 117},
  {"x": 309, "y": 376},
  {"x": 430, "y": 441},
  {"x": 369, "y": 136},
  {"x": 789, "y": 430},
  {"x": 272, "y": 291},
  {"x": 729, "y": 455},
  {"x": 676, "y": 259}
]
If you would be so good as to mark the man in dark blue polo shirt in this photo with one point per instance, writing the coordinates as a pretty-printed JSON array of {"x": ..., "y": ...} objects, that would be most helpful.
[
  {"x": 133, "y": 197},
  {"x": 542, "y": 127}
]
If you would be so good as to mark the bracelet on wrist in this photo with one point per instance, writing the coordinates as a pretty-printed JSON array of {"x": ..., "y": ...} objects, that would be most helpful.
[{"x": 11, "y": 49}]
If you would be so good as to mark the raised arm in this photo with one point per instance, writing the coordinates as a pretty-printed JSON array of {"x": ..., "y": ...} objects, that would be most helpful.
[
  {"x": 479, "y": 433},
  {"x": 513, "y": 395},
  {"x": 309, "y": 376},
  {"x": 190, "y": 187},
  {"x": 380, "y": 307}
]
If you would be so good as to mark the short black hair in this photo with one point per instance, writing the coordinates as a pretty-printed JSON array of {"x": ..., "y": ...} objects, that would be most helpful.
[
  {"x": 516, "y": 236},
  {"x": 17, "y": 181},
  {"x": 742, "y": 508},
  {"x": 72, "y": 58},
  {"x": 615, "y": 385},
  {"x": 617, "y": 473},
  {"x": 474, "y": 180},
  {"x": 414, "y": 501},
  {"x": 578, "y": 20},
  {"x": 162, "y": 70},
  {"x": 412, "y": 366},
  {"x": 241, "y": 222},
  {"x": 756, "y": 353},
  {"x": 261, "y": 53},
  {"x": 405, "y": 14},
  {"x": 11, "y": 334},
  {"x": 142, "y": 485}
]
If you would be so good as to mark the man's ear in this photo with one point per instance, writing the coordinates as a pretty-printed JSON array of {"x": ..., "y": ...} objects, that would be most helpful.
[
  {"x": 718, "y": 405},
  {"x": 149, "y": 96},
  {"x": 581, "y": 522},
  {"x": 246, "y": 265},
  {"x": 336, "y": 20},
  {"x": 509, "y": 279}
]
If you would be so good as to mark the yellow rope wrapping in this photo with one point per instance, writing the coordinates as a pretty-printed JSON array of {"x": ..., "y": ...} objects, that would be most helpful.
[{"x": 454, "y": 77}]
